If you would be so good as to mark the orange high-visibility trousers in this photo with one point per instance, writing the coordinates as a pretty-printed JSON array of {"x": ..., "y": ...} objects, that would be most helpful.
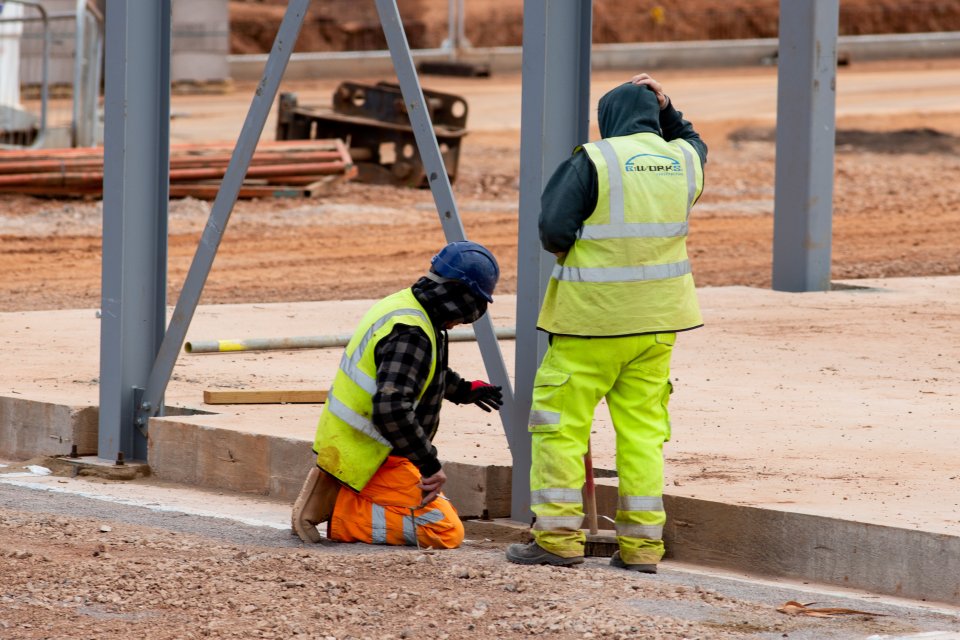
[{"x": 380, "y": 514}]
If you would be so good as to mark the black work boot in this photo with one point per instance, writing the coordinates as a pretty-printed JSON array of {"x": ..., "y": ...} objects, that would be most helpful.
[
  {"x": 617, "y": 561},
  {"x": 533, "y": 553}
]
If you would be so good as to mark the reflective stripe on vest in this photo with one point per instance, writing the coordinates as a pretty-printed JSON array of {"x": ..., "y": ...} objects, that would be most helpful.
[
  {"x": 347, "y": 443},
  {"x": 351, "y": 365},
  {"x": 354, "y": 419},
  {"x": 627, "y": 271},
  {"x": 622, "y": 274},
  {"x": 617, "y": 227}
]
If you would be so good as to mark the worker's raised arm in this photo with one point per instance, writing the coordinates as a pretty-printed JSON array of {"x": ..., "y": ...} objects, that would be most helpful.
[
  {"x": 672, "y": 124},
  {"x": 568, "y": 199}
]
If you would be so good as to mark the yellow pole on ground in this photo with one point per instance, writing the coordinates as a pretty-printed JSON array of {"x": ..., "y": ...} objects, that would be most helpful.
[{"x": 315, "y": 342}]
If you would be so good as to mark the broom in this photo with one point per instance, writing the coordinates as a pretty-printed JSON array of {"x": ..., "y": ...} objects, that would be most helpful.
[{"x": 599, "y": 544}]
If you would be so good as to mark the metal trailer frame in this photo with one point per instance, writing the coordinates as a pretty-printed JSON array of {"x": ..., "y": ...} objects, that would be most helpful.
[{"x": 137, "y": 356}]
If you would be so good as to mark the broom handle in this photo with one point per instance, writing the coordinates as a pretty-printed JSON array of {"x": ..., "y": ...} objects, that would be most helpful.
[{"x": 591, "y": 491}]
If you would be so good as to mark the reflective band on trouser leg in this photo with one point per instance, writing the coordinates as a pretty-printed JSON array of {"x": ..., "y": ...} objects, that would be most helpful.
[
  {"x": 556, "y": 501},
  {"x": 412, "y": 524},
  {"x": 638, "y": 407},
  {"x": 639, "y": 526},
  {"x": 566, "y": 389},
  {"x": 380, "y": 514},
  {"x": 378, "y": 524}
]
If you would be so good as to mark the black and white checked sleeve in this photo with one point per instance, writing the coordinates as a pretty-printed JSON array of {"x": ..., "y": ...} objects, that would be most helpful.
[{"x": 403, "y": 366}]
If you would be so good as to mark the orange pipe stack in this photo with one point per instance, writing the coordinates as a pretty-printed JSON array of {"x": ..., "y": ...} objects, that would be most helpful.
[{"x": 279, "y": 168}]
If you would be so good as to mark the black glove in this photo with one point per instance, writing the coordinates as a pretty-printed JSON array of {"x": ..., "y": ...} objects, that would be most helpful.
[{"x": 484, "y": 395}]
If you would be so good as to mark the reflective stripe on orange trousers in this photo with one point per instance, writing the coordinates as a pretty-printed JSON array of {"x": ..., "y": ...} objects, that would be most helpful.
[{"x": 380, "y": 514}]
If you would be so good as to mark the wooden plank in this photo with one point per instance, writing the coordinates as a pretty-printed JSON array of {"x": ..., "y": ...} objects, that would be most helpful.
[{"x": 265, "y": 396}]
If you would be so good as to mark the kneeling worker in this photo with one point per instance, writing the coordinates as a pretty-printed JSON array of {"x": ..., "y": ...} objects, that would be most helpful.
[{"x": 378, "y": 479}]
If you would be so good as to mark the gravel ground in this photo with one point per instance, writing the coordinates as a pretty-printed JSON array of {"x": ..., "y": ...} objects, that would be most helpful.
[{"x": 75, "y": 567}]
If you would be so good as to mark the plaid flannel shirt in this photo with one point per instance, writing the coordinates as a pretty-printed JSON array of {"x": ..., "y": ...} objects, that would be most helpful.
[{"x": 403, "y": 365}]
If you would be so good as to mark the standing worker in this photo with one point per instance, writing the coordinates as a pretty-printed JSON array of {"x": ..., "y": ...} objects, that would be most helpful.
[
  {"x": 378, "y": 479},
  {"x": 615, "y": 214}
]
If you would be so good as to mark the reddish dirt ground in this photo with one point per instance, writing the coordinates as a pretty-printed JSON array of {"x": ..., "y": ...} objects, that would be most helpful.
[
  {"x": 336, "y": 25},
  {"x": 897, "y": 213}
]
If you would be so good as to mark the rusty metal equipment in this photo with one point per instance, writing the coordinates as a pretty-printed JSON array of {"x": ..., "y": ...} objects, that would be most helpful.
[
  {"x": 277, "y": 169},
  {"x": 374, "y": 121}
]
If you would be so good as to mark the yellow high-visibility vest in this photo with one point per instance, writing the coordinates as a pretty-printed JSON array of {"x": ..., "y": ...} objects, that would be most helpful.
[
  {"x": 347, "y": 443},
  {"x": 628, "y": 270}
]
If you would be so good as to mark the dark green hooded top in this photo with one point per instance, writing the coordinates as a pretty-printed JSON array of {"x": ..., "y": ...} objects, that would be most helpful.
[{"x": 571, "y": 194}]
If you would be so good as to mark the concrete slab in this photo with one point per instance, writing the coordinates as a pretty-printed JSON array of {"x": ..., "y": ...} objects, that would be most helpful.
[{"x": 842, "y": 405}]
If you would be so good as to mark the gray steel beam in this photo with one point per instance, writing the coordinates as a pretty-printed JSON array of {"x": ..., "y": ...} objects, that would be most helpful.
[
  {"x": 555, "y": 116},
  {"x": 806, "y": 101},
  {"x": 135, "y": 196},
  {"x": 440, "y": 185},
  {"x": 222, "y": 208}
]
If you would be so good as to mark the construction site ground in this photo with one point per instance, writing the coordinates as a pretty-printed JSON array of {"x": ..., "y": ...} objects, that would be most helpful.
[{"x": 842, "y": 404}]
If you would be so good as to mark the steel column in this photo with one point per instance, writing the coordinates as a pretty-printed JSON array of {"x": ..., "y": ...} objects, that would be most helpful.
[
  {"x": 222, "y": 208},
  {"x": 135, "y": 196},
  {"x": 555, "y": 116},
  {"x": 806, "y": 99},
  {"x": 440, "y": 185}
]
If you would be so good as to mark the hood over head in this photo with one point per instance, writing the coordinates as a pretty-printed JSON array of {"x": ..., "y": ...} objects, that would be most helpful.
[
  {"x": 447, "y": 301},
  {"x": 628, "y": 109}
]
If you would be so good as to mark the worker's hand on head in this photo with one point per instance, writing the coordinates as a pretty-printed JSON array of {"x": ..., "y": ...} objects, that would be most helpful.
[
  {"x": 645, "y": 80},
  {"x": 485, "y": 395},
  {"x": 431, "y": 486}
]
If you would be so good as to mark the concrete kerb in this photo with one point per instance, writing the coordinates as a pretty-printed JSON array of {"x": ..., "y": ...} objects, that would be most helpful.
[
  {"x": 863, "y": 335},
  {"x": 189, "y": 451},
  {"x": 31, "y": 428},
  {"x": 759, "y": 541}
]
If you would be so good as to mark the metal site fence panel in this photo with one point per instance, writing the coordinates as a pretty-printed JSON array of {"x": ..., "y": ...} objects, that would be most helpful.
[
  {"x": 58, "y": 59},
  {"x": 21, "y": 125},
  {"x": 60, "y": 51}
]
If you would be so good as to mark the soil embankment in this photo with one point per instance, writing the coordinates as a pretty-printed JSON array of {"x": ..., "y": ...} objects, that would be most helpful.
[{"x": 343, "y": 25}]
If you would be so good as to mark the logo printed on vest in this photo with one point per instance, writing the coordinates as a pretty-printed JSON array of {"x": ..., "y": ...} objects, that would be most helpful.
[{"x": 651, "y": 163}]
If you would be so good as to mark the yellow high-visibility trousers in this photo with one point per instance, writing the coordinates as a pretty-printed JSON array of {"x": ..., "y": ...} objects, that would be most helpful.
[{"x": 633, "y": 374}]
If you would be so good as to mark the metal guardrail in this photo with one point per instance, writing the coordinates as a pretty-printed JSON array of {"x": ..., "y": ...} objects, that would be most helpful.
[
  {"x": 35, "y": 136},
  {"x": 86, "y": 73},
  {"x": 650, "y": 55},
  {"x": 81, "y": 122}
]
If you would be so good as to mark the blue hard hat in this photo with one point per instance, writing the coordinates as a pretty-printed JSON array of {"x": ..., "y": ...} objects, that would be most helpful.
[{"x": 471, "y": 264}]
